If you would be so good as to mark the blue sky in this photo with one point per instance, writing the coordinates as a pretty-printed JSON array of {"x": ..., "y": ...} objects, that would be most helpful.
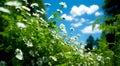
[{"x": 79, "y": 14}]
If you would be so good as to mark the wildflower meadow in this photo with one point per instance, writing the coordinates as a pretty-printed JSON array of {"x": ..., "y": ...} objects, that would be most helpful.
[{"x": 29, "y": 38}]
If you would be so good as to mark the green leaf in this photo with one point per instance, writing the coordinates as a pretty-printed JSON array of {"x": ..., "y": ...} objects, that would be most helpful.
[{"x": 96, "y": 22}]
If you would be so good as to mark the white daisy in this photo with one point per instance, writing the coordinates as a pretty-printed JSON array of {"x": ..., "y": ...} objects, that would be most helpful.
[
  {"x": 63, "y": 4},
  {"x": 59, "y": 11},
  {"x": 54, "y": 58},
  {"x": 29, "y": 44},
  {"x": 62, "y": 27},
  {"x": 25, "y": 8},
  {"x": 2, "y": 9},
  {"x": 19, "y": 54},
  {"x": 72, "y": 29},
  {"x": 20, "y": 25},
  {"x": 34, "y": 5}
]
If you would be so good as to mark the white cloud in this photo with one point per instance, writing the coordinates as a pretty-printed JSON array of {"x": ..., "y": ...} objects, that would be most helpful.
[
  {"x": 84, "y": 20},
  {"x": 88, "y": 29},
  {"x": 67, "y": 17},
  {"x": 92, "y": 9},
  {"x": 78, "y": 11},
  {"x": 98, "y": 13},
  {"x": 81, "y": 21},
  {"x": 76, "y": 24},
  {"x": 92, "y": 21},
  {"x": 82, "y": 9},
  {"x": 76, "y": 19}
]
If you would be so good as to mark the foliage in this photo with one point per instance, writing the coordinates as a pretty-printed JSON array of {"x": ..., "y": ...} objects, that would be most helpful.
[
  {"x": 111, "y": 7},
  {"x": 90, "y": 42},
  {"x": 26, "y": 38},
  {"x": 110, "y": 38}
]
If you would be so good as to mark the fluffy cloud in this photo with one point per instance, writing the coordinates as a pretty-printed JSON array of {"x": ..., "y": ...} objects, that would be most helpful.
[
  {"x": 82, "y": 9},
  {"x": 92, "y": 9},
  {"x": 88, "y": 29},
  {"x": 98, "y": 13},
  {"x": 78, "y": 11},
  {"x": 67, "y": 17},
  {"x": 76, "y": 24},
  {"x": 82, "y": 20}
]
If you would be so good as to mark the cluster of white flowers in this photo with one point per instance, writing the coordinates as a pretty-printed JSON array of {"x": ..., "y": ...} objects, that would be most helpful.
[
  {"x": 42, "y": 20},
  {"x": 2, "y": 9},
  {"x": 90, "y": 58},
  {"x": 73, "y": 38},
  {"x": 20, "y": 25},
  {"x": 99, "y": 58},
  {"x": 43, "y": 11},
  {"x": 81, "y": 51},
  {"x": 35, "y": 14},
  {"x": 13, "y": 3},
  {"x": 63, "y": 4},
  {"x": 62, "y": 27},
  {"x": 54, "y": 33},
  {"x": 19, "y": 54}
]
